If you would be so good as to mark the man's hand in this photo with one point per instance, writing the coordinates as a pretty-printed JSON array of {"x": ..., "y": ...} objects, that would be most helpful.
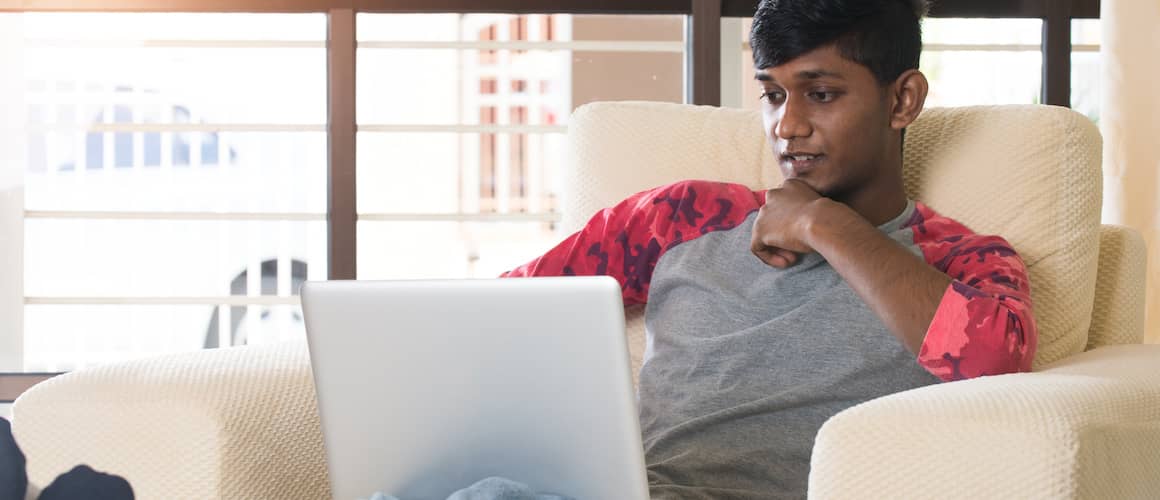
[
  {"x": 780, "y": 230},
  {"x": 899, "y": 286}
]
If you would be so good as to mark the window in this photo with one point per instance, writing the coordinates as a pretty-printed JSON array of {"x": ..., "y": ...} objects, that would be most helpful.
[
  {"x": 982, "y": 61},
  {"x": 174, "y": 193},
  {"x": 175, "y": 189},
  {"x": 461, "y": 121},
  {"x": 967, "y": 60},
  {"x": 1085, "y": 67}
]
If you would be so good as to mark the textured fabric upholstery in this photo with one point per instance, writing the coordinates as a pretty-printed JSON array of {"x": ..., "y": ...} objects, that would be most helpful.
[
  {"x": 619, "y": 148},
  {"x": 223, "y": 423},
  {"x": 1086, "y": 427},
  {"x": 1118, "y": 315},
  {"x": 1028, "y": 173},
  {"x": 1032, "y": 175},
  {"x": 242, "y": 422}
]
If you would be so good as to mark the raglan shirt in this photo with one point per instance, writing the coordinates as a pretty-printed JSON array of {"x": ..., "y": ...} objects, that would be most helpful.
[{"x": 744, "y": 362}]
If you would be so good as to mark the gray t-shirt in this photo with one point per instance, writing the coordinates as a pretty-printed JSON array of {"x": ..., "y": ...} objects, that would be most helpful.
[{"x": 744, "y": 362}]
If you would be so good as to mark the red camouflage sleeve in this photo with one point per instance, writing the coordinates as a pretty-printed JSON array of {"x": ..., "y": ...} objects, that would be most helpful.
[
  {"x": 626, "y": 240},
  {"x": 984, "y": 323}
]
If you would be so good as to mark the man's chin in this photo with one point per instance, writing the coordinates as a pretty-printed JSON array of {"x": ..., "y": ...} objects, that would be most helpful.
[{"x": 809, "y": 182}]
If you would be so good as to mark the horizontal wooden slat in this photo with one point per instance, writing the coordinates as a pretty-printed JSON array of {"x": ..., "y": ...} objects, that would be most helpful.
[
  {"x": 528, "y": 6},
  {"x": 453, "y": 217},
  {"x": 1085, "y": 9},
  {"x": 291, "y": 217},
  {"x": 269, "y": 127},
  {"x": 988, "y": 8},
  {"x": 1081, "y": 9},
  {"x": 171, "y": 5},
  {"x": 176, "y": 127},
  {"x": 12, "y": 385},
  {"x": 576, "y": 45},
  {"x": 466, "y": 129},
  {"x": 235, "y": 300},
  {"x": 129, "y": 43},
  {"x": 199, "y": 216},
  {"x": 398, "y": 6},
  {"x": 998, "y": 47}
]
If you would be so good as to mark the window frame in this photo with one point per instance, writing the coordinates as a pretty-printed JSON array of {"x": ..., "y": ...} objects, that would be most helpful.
[
  {"x": 703, "y": 85},
  {"x": 703, "y": 39}
]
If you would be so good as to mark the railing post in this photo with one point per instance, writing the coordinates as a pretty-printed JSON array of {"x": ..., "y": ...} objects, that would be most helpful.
[
  {"x": 1057, "y": 53},
  {"x": 703, "y": 69},
  {"x": 342, "y": 218}
]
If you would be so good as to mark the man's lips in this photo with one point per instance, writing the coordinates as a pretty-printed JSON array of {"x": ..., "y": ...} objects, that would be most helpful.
[{"x": 801, "y": 163}]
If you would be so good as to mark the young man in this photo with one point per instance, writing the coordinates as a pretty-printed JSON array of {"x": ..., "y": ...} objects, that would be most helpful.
[{"x": 770, "y": 311}]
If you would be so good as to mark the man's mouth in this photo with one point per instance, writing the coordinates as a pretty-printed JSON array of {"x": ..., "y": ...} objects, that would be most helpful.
[{"x": 801, "y": 163}]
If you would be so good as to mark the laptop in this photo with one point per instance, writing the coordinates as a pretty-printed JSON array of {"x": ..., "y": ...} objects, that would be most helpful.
[{"x": 425, "y": 387}]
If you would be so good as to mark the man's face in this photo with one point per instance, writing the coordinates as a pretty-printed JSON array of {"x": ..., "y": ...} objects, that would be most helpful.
[{"x": 829, "y": 122}]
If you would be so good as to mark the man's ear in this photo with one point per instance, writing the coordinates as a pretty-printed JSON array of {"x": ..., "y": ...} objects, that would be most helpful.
[{"x": 909, "y": 95}]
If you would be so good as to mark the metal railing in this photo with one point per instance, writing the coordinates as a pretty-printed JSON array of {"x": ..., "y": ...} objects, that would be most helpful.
[{"x": 701, "y": 47}]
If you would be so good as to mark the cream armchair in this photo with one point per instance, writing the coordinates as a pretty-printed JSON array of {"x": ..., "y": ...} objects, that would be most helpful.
[{"x": 241, "y": 422}]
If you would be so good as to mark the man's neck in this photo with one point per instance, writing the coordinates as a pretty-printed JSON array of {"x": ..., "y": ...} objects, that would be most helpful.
[{"x": 879, "y": 204}]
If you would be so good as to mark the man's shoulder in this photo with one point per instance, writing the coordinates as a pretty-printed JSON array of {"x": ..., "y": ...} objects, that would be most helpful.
[
  {"x": 680, "y": 211},
  {"x": 699, "y": 190},
  {"x": 696, "y": 203},
  {"x": 943, "y": 238},
  {"x": 930, "y": 225}
]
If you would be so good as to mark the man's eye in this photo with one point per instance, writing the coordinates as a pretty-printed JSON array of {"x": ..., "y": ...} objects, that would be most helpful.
[
  {"x": 773, "y": 97},
  {"x": 822, "y": 96}
]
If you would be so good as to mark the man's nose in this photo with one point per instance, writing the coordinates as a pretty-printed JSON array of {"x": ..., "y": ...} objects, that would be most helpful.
[{"x": 793, "y": 122}]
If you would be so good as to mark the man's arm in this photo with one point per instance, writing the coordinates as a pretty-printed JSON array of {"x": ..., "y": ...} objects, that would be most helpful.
[
  {"x": 626, "y": 241},
  {"x": 964, "y": 309},
  {"x": 901, "y": 289}
]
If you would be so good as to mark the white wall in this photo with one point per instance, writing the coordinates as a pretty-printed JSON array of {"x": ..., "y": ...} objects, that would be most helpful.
[
  {"x": 12, "y": 151},
  {"x": 1130, "y": 123}
]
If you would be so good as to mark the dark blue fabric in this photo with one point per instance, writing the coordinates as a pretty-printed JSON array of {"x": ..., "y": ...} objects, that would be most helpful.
[
  {"x": 492, "y": 488},
  {"x": 13, "y": 478},
  {"x": 82, "y": 482}
]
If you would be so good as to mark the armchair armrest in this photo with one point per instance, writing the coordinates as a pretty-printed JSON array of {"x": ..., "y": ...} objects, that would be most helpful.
[
  {"x": 1085, "y": 427},
  {"x": 223, "y": 423}
]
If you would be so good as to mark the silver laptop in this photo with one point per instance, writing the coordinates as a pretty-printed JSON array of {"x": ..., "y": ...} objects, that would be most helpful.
[{"x": 425, "y": 387}]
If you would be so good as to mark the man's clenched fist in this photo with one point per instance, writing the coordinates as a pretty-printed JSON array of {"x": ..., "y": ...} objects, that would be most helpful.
[{"x": 780, "y": 231}]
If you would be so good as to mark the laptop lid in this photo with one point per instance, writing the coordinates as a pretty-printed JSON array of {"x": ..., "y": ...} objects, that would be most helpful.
[{"x": 425, "y": 387}]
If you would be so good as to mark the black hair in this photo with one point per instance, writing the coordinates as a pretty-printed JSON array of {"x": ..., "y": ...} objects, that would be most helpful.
[{"x": 882, "y": 35}]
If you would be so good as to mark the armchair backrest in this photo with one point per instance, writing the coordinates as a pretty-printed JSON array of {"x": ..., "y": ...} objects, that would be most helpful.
[{"x": 1028, "y": 173}]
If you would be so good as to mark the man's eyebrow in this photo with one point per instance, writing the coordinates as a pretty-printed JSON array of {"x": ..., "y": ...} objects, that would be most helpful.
[
  {"x": 814, "y": 74},
  {"x": 809, "y": 74}
]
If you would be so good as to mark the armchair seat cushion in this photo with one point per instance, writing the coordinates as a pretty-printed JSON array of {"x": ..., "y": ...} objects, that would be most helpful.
[
  {"x": 238, "y": 422},
  {"x": 1086, "y": 427}
]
